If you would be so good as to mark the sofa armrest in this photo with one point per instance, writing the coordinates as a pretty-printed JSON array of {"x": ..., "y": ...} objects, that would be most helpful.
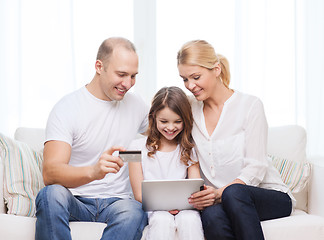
[
  {"x": 2, "y": 205},
  {"x": 316, "y": 189}
]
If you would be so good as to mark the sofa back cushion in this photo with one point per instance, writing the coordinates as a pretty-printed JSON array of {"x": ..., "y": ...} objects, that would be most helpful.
[
  {"x": 287, "y": 142},
  {"x": 287, "y": 149},
  {"x": 22, "y": 176},
  {"x": 34, "y": 137}
]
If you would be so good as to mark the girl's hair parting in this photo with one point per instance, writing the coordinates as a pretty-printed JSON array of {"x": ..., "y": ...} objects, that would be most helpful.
[{"x": 175, "y": 99}]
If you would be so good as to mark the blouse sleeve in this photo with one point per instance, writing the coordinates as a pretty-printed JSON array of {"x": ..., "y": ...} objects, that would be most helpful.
[{"x": 255, "y": 162}]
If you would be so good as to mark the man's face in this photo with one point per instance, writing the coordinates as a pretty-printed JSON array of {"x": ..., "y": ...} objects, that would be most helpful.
[{"x": 118, "y": 75}]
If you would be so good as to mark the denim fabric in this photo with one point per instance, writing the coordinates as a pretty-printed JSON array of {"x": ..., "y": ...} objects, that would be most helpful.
[
  {"x": 56, "y": 206},
  {"x": 241, "y": 210}
]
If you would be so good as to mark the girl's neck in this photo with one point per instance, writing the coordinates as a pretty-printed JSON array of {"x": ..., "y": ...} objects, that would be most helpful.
[{"x": 167, "y": 145}]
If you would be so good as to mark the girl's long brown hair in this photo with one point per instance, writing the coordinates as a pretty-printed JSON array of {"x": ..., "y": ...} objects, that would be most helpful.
[{"x": 175, "y": 99}]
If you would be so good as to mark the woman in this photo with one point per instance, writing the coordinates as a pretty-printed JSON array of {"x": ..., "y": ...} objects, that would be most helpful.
[{"x": 230, "y": 132}]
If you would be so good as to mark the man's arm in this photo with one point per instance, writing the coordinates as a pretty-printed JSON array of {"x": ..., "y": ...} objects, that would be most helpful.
[{"x": 56, "y": 168}]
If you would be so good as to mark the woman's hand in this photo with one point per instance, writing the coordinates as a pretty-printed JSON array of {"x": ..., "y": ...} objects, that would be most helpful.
[
  {"x": 205, "y": 198},
  {"x": 209, "y": 196}
]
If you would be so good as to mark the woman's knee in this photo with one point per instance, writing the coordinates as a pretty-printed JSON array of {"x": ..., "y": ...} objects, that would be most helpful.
[
  {"x": 215, "y": 222},
  {"x": 235, "y": 192},
  {"x": 213, "y": 215}
]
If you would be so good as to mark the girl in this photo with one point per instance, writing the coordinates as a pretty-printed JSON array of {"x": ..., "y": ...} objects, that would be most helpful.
[
  {"x": 167, "y": 153},
  {"x": 230, "y": 132}
]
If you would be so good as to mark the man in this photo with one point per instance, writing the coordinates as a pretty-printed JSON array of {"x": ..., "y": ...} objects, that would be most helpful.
[{"x": 84, "y": 181}]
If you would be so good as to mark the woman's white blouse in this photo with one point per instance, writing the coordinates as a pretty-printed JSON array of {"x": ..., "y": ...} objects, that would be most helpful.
[{"x": 237, "y": 148}]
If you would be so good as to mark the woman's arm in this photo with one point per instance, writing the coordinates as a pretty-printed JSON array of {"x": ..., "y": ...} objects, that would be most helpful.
[
  {"x": 136, "y": 177},
  {"x": 209, "y": 196},
  {"x": 256, "y": 135}
]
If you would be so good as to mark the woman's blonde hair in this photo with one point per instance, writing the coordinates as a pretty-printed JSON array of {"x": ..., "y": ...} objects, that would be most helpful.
[{"x": 201, "y": 53}]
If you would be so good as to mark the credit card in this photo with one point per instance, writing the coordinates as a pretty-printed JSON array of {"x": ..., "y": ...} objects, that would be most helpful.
[{"x": 131, "y": 156}]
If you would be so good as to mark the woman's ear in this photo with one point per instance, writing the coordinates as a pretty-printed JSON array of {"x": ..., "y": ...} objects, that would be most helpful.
[
  {"x": 217, "y": 69},
  {"x": 99, "y": 66}
]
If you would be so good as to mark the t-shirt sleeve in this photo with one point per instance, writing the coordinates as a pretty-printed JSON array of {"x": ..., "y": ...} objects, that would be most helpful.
[
  {"x": 194, "y": 157},
  {"x": 59, "y": 124},
  {"x": 144, "y": 110},
  {"x": 137, "y": 144}
]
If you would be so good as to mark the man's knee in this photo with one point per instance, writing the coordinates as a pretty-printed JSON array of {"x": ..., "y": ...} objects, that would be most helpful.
[
  {"x": 130, "y": 210},
  {"x": 53, "y": 193}
]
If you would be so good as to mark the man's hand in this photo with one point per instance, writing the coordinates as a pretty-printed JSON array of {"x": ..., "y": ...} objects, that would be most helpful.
[{"x": 107, "y": 163}]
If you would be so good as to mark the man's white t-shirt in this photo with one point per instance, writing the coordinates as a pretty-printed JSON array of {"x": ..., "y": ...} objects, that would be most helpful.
[{"x": 91, "y": 126}]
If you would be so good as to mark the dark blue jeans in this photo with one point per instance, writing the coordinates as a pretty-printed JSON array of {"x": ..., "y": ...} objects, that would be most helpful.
[{"x": 242, "y": 209}]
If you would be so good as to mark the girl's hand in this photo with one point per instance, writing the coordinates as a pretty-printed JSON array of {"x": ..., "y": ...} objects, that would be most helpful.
[
  {"x": 205, "y": 198},
  {"x": 174, "y": 212}
]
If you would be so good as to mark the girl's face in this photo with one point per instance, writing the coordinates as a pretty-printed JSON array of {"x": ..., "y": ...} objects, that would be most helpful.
[
  {"x": 199, "y": 80},
  {"x": 169, "y": 124}
]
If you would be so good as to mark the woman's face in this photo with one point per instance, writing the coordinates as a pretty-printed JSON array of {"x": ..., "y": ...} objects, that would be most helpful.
[{"x": 199, "y": 80}]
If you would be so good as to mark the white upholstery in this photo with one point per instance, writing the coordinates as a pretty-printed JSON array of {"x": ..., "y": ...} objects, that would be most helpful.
[{"x": 287, "y": 142}]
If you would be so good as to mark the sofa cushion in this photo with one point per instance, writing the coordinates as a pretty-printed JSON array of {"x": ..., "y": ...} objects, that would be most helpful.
[
  {"x": 22, "y": 176},
  {"x": 289, "y": 142},
  {"x": 79, "y": 230},
  {"x": 297, "y": 226},
  {"x": 294, "y": 174}
]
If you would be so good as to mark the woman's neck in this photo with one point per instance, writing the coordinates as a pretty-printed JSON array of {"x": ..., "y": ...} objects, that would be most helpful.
[{"x": 219, "y": 97}]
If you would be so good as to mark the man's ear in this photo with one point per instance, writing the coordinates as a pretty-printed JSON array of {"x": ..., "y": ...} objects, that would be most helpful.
[{"x": 99, "y": 66}]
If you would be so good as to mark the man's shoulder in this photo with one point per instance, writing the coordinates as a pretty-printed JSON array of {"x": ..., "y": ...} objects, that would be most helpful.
[
  {"x": 71, "y": 97},
  {"x": 132, "y": 96},
  {"x": 134, "y": 100}
]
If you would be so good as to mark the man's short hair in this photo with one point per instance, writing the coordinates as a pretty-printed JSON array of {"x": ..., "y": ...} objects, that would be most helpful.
[{"x": 107, "y": 46}]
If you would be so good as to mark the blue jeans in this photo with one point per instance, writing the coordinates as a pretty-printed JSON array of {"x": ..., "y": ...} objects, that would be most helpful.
[
  {"x": 56, "y": 206},
  {"x": 241, "y": 210}
]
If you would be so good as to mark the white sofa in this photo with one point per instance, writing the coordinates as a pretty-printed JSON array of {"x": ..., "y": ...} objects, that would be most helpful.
[{"x": 306, "y": 222}]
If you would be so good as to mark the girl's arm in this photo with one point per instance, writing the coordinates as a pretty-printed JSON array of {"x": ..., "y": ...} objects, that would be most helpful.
[
  {"x": 136, "y": 177},
  {"x": 193, "y": 171}
]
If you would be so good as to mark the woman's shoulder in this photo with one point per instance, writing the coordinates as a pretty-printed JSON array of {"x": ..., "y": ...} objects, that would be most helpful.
[{"x": 245, "y": 98}]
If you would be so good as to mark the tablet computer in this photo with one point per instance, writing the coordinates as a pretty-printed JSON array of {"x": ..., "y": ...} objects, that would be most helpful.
[{"x": 158, "y": 195}]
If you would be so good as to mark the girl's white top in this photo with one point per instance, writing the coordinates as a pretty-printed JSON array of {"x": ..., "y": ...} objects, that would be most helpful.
[{"x": 164, "y": 165}]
